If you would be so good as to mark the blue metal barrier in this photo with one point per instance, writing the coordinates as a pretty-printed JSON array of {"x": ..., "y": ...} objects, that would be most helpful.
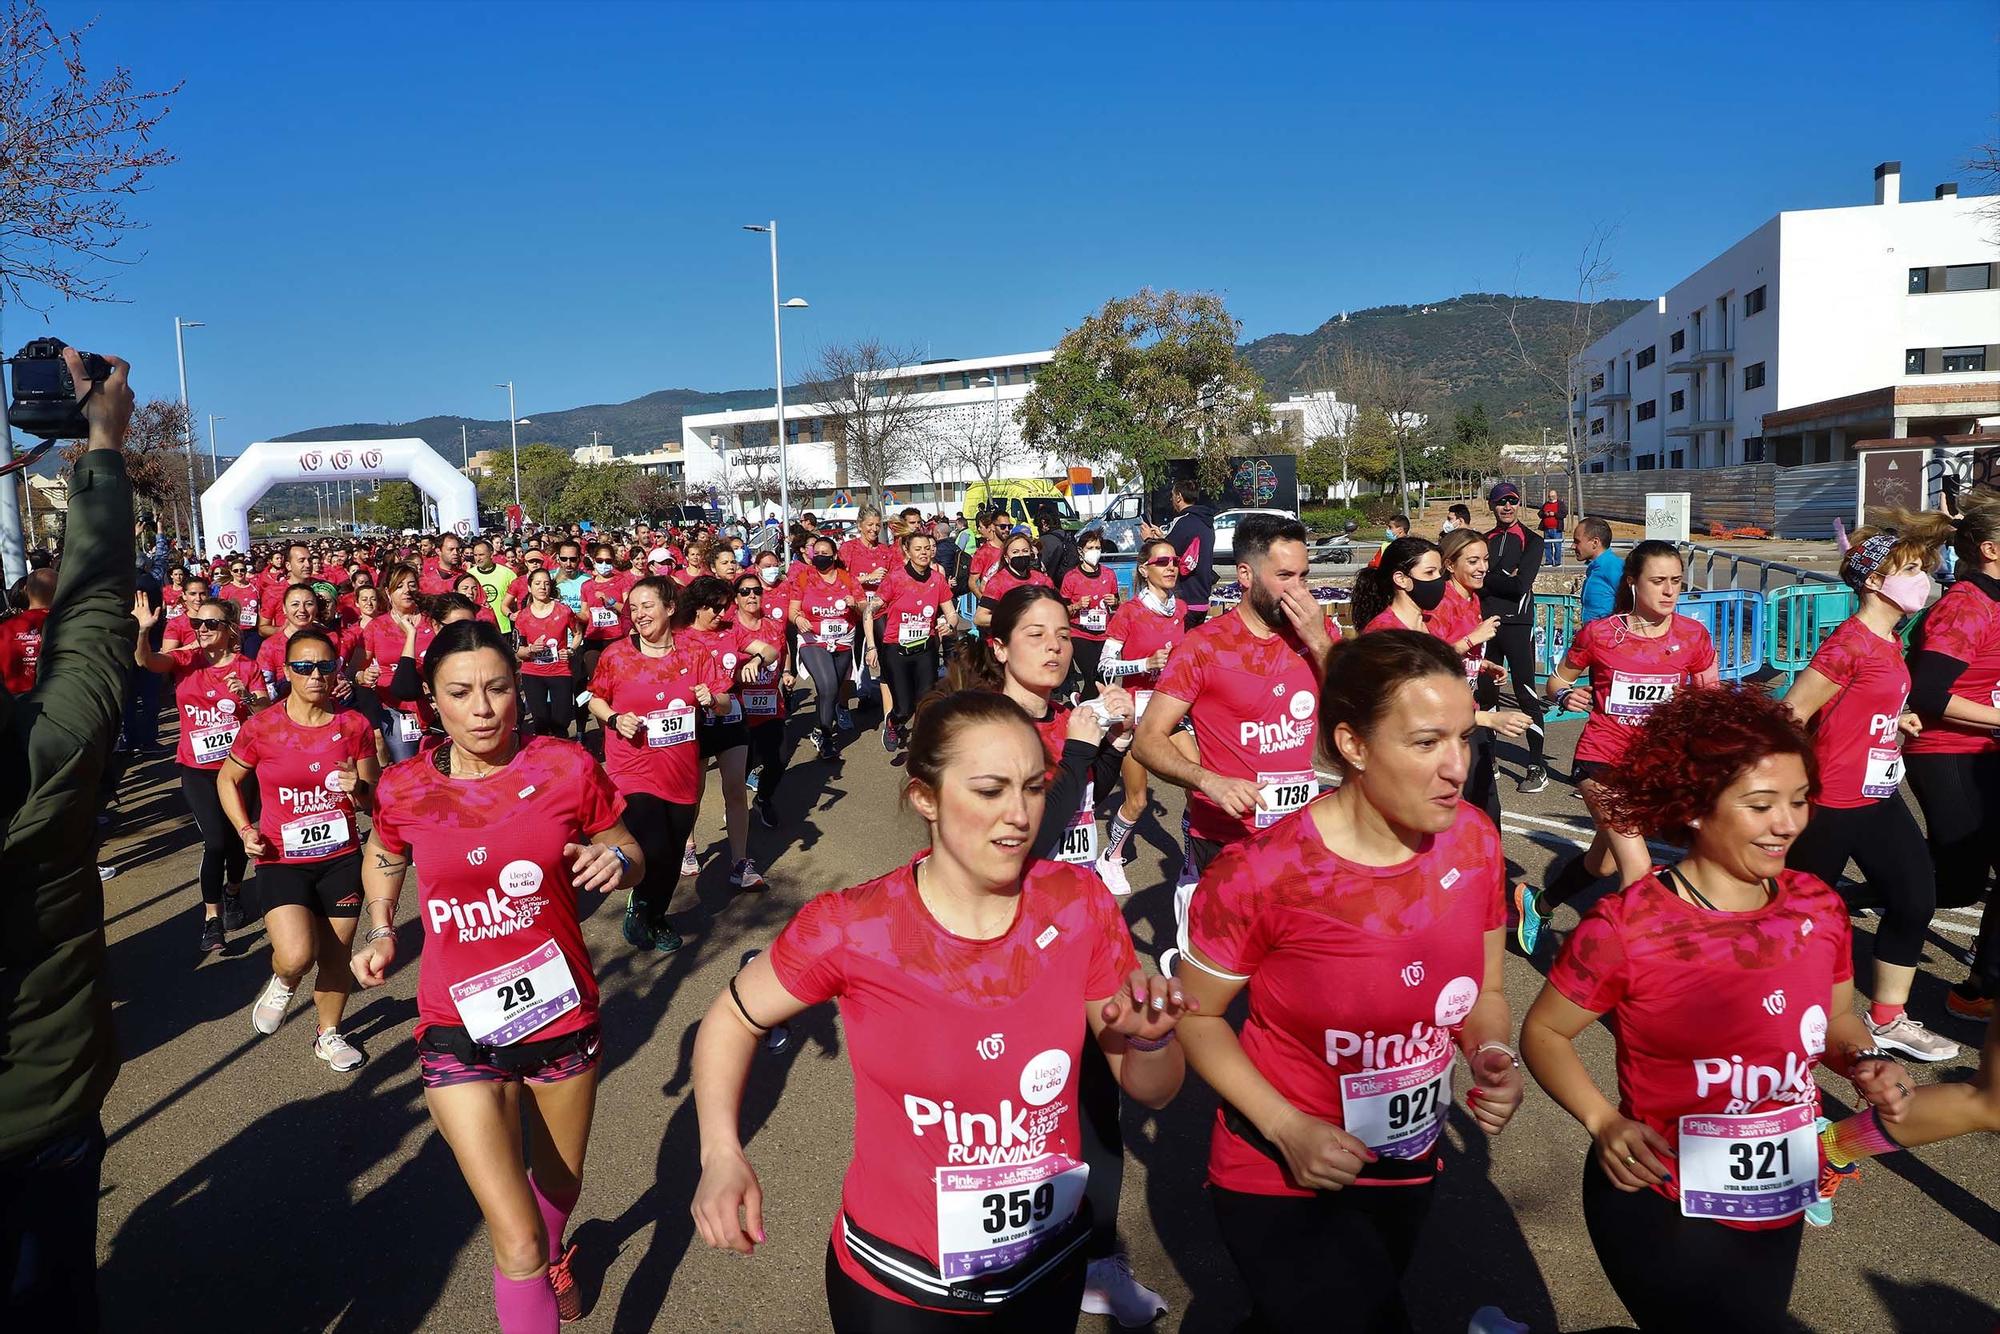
[
  {"x": 1798, "y": 619},
  {"x": 1734, "y": 618},
  {"x": 1558, "y": 616},
  {"x": 1125, "y": 565}
]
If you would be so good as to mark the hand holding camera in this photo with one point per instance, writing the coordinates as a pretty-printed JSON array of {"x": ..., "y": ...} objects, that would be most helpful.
[{"x": 63, "y": 394}]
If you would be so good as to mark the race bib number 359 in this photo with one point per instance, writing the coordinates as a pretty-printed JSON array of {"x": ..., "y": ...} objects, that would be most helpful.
[{"x": 991, "y": 1218}]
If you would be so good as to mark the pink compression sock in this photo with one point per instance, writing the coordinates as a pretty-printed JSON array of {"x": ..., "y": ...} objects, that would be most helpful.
[
  {"x": 1882, "y": 1015},
  {"x": 525, "y": 1305},
  {"x": 555, "y": 1216}
]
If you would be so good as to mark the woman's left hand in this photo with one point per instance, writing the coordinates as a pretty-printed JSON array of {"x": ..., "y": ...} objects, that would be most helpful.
[
  {"x": 1147, "y": 1008},
  {"x": 1496, "y": 1090},
  {"x": 704, "y": 696},
  {"x": 594, "y": 866},
  {"x": 1885, "y": 1085}
]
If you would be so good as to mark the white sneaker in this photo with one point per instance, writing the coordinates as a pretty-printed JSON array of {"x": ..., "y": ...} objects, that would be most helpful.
[
  {"x": 1109, "y": 1289},
  {"x": 1906, "y": 1035},
  {"x": 690, "y": 864},
  {"x": 1111, "y": 870},
  {"x": 746, "y": 875},
  {"x": 272, "y": 1002},
  {"x": 337, "y": 1052}
]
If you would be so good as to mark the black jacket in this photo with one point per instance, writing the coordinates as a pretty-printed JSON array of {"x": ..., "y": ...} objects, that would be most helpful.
[
  {"x": 1193, "y": 535},
  {"x": 1512, "y": 562}
]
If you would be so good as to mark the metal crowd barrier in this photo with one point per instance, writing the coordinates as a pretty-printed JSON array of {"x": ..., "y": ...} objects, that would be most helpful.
[
  {"x": 1558, "y": 616},
  {"x": 1693, "y": 551},
  {"x": 1798, "y": 620},
  {"x": 1734, "y": 618}
]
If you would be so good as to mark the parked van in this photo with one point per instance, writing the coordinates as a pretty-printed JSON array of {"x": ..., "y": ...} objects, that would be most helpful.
[{"x": 1012, "y": 494}]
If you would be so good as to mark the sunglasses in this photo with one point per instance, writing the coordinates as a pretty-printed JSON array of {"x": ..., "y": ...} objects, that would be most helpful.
[
  {"x": 1163, "y": 561},
  {"x": 1509, "y": 500},
  {"x": 321, "y": 666},
  {"x": 207, "y": 622},
  {"x": 747, "y": 591}
]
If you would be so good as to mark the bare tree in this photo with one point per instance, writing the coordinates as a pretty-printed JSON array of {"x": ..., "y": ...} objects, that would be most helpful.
[
  {"x": 934, "y": 450},
  {"x": 872, "y": 414},
  {"x": 978, "y": 443},
  {"x": 1401, "y": 395},
  {"x": 1558, "y": 361},
  {"x": 72, "y": 151},
  {"x": 1984, "y": 164}
]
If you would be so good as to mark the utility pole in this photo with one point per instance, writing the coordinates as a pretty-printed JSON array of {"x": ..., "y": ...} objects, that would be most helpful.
[{"x": 465, "y": 456}]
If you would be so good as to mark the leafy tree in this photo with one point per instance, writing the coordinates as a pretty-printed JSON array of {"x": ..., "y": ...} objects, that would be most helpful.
[
  {"x": 600, "y": 492},
  {"x": 1151, "y": 377},
  {"x": 398, "y": 505},
  {"x": 545, "y": 472}
]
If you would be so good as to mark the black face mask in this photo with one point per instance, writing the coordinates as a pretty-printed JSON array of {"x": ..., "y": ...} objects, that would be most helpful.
[
  {"x": 1427, "y": 593},
  {"x": 823, "y": 562},
  {"x": 1020, "y": 565}
]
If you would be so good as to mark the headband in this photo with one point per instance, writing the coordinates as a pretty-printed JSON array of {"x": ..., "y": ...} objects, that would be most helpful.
[{"x": 1867, "y": 558}]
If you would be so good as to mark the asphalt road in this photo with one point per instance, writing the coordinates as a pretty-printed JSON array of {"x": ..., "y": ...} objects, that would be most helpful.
[{"x": 250, "y": 1188}]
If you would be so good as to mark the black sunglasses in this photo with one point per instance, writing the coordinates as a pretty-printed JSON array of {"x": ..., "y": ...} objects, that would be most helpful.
[
  {"x": 1505, "y": 500},
  {"x": 323, "y": 666},
  {"x": 207, "y": 622},
  {"x": 747, "y": 590}
]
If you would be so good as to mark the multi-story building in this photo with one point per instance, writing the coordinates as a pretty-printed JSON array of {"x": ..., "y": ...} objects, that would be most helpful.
[{"x": 1820, "y": 328}]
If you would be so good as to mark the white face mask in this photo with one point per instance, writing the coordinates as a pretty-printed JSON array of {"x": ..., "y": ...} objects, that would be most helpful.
[
  {"x": 1089, "y": 555},
  {"x": 769, "y": 574}
]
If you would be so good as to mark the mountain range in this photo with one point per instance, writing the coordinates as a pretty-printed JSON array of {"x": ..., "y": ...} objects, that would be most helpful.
[{"x": 1462, "y": 345}]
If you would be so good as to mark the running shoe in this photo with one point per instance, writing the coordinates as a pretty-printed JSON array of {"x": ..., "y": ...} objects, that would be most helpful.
[
  {"x": 889, "y": 742},
  {"x": 105, "y": 873},
  {"x": 766, "y": 816},
  {"x": 1820, "y": 1212},
  {"x": 1109, "y": 1289},
  {"x": 665, "y": 939},
  {"x": 638, "y": 934},
  {"x": 569, "y": 1301},
  {"x": 1906, "y": 1035},
  {"x": 746, "y": 875},
  {"x": 1534, "y": 780},
  {"x": 750, "y": 782},
  {"x": 1529, "y": 918},
  {"x": 233, "y": 916},
  {"x": 1976, "y": 1008},
  {"x": 843, "y": 719},
  {"x": 337, "y": 1052},
  {"x": 1493, "y": 1320},
  {"x": 272, "y": 1002},
  {"x": 211, "y": 934},
  {"x": 1111, "y": 870},
  {"x": 823, "y": 743},
  {"x": 690, "y": 863}
]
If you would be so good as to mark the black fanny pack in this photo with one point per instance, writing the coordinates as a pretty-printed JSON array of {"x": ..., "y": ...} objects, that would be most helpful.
[
  {"x": 1382, "y": 1169},
  {"x": 516, "y": 1057},
  {"x": 911, "y": 1275}
]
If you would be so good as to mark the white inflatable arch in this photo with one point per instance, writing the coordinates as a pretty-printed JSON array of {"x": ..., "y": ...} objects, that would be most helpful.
[{"x": 225, "y": 506}]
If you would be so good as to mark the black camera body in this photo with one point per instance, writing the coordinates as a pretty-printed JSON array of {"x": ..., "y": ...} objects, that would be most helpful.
[{"x": 45, "y": 404}]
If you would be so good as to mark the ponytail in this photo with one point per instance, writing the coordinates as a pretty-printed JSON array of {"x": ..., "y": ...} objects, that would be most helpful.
[{"x": 1374, "y": 593}]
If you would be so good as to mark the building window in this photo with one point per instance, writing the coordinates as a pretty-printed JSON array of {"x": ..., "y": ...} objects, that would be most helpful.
[
  {"x": 1646, "y": 462},
  {"x": 1967, "y": 277},
  {"x": 1753, "y": 304},
  {"x": 1964, "y": 359},
  {"x": 1753, "y": 449},
  {"x": 1677, "y": 401},
  {"x": 1596, "y": 384},
  {"x": 1647, "y": 410},
  {"x": 1913, "y": 361},
  {"x": 1677, "y": 459},
  {"x": 1597, "y": 426},
  {"x": 1920, "y": 281},
  {"x": 1646, "y": 357},
  {"x": 1678, "y": 341},
  {"x": 1753, "y": 375}
]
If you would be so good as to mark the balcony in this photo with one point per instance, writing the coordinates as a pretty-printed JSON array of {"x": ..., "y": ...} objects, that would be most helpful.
[
  {"x": 1611, "y": 394},
  {"x": 1713, "y": 355},
  {"x": 1699, "y": 424}
]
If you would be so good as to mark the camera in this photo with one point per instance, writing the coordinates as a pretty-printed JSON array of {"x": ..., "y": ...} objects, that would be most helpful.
[{"x": 45, "y": 403}]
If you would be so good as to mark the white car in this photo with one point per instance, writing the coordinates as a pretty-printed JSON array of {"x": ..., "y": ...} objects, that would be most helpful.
[{"x": 1225, "y": 531}]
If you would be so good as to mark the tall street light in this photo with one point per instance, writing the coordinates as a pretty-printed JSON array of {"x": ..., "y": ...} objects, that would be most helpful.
[
  {"x": 513, "y": 430},
  {"x": 214, "y": 468},
  {"x": 181, "y": 326},
  {"x": 778, "y": 345}
]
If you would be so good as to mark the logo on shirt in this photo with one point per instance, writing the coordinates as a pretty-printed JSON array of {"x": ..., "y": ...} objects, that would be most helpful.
[
  {"x": 1413, "y": 973},
  {"x": 1774, "y": 1004},
  {"x": 476, "y": 857},
  {"x": 1010, "y": 1133},
  {"x": 991, "y": 1047},
  {"x": 1301, "y": 706}
]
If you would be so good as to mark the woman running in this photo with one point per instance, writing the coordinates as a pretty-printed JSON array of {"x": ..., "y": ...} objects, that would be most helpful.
[
  {"x": 1853, "y": 698},
  {"x": 646, "y": 693},
  {"x": 245, "y": 594},
  {"x": 602, "y": 596},
  {"x": 1370, "y": 932},
  {"x": 1017, "y": 567},
  {"x": 1457, "y": 622},
  {"x": 763, "y": 687},
  {"x": 505, "y": 834},
  {"x": 1725, "y": 979},
  {"x": 177, "y": 632},
  {"x": 826, "y": 604},
  {"x": 313, "y": 764},
  {"x": 405, "y": 631},
  {"x": 467, "y": 586},
  {"x": 298, "y": 610},
  {"x": 908, "y": 608},
  {"x": 1637, "y": 660},
  {"x": 1955, "y": 761},
  {"x": 1137, "y": 641},
  {"x": 1092, "y": 594},
  {"x": 216, "y": 689},
  {"x": 547, "y": 633},
  {"x": 704, "y": 616},
  {"x": 947, "y": 1222},
  {"x": 1407, "y": 586}
]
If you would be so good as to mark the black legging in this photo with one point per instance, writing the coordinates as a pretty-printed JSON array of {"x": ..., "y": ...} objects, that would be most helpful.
[
  {"x": 1960, "y": 797},
  {"x": 661, "y": 829},
  {"x": 583, "y": 664},
  {"x": 1103, "y": 1137},
  {"x": 1514, "y": 645},
  {"x": 1086, "y": 655},
  {"x": 828, "y": 669},
  {"x": 767, "y": 759},
  {"x": 1883, "y": 841},
  {"x": 910, "y": 672},
  {"x": 1332, "y": 1259},
  {"x": 551, "y": 702},
  {"x": 222, "y": 856},
  {"x": 1675, "y": 1273}
]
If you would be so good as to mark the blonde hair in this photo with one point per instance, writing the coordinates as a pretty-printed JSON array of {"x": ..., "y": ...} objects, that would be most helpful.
[
  {"x": 1920, "y": 535},
  {"x": 1457, "y": 540}
]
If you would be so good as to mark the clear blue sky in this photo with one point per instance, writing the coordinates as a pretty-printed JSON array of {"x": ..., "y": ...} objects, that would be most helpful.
[{"x": 381, "y": 210}]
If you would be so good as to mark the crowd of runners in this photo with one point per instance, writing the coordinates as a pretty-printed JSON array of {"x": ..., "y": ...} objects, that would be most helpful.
[{"x": 527, "y": 722}]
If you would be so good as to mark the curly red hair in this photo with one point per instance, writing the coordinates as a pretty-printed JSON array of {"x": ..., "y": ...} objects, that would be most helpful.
[{"x": 1692, "y": 748}]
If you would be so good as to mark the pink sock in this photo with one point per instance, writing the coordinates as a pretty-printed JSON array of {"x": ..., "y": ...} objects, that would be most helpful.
[
  {"x": 525, "y": 1305},
  {"x": 1882, "y": 1015},
  {"x": 555, "y": 1217}
]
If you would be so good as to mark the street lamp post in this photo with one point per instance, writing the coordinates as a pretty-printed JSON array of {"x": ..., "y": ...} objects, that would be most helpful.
[
  {"x": 181, "y": 326},
  {"x": 514, "y": 432},
  {"x": 778, "y": 348},
  {"x": 214, "y": 468}
]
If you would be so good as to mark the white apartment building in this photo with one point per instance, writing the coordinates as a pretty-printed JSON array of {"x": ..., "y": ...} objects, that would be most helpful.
[
  {"x": 1820, "y": 328},
  {"x": 974, "y": 398}
]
